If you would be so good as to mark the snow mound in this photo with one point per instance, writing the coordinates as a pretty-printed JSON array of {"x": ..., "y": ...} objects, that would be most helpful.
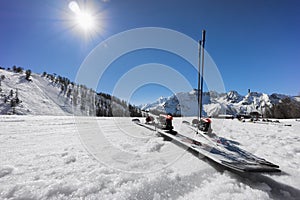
[
  {"x": 154, "y": 145},
  {"x": 4, "y": 171},
  {"x": 70, "y": 159}
]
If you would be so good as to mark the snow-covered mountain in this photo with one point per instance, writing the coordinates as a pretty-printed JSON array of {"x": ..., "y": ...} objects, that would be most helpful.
[
  {"x": 215, "y": 104},
  {"x": 53, "y": 95}
]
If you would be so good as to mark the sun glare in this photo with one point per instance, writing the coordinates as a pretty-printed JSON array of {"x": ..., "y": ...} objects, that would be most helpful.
[
  {"x": 74, "y": 7},
  {"x": 85, "y": 21},
  {"x": 83, "y": 18}
]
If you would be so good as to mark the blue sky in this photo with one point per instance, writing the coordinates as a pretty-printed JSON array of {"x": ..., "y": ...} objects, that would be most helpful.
[{"x": 255, "y": 44}]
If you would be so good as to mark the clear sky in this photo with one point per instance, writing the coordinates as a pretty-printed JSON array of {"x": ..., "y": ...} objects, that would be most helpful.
[{"x": 255, "y": 44}]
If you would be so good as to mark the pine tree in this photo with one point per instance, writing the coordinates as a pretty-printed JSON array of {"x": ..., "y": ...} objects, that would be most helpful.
[
  {"x": 17, "y": 96},
  {"x": 44, "y": 74},
  {"x": 28, "y": 74},
  {"x": 19, "y": 70},
  {"x": 14, "y": 68}
]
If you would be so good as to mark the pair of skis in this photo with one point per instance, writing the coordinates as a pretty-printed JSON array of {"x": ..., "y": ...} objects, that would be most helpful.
[
  {"x": 230, "y": 146},
  {"x": 217, "y": 149}
]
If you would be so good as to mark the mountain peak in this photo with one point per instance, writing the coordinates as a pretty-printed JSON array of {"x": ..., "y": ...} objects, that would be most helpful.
[
  {"x": 214, "y": 104},
  {"x": 233, "y": 97}
]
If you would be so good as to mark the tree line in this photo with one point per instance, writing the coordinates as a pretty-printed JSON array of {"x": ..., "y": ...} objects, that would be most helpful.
[
  {"x": 286, "y": 108},
  {"x": 91, "y": 103}
]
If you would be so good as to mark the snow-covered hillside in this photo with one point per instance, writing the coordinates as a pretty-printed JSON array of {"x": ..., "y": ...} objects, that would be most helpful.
[
  {"x": 215, "y": 104},
  {"x": 42, "y": 157},
  {"x": 38, "y": 96},
  {"x": 49, "y": 95}
]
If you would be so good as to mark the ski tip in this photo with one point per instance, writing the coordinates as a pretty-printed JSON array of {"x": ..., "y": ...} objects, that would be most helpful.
[{"x": 244, "y": 167}]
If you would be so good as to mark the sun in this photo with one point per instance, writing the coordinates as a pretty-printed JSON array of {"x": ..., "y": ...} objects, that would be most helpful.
[
  {"x": 83, "y": 18},
  {"x": 85, "y": 21}
]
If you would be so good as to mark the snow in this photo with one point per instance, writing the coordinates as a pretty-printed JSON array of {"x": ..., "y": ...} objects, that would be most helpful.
[
  {"x": 297, "y": 98},
  {"x": 44, "y": 157}
]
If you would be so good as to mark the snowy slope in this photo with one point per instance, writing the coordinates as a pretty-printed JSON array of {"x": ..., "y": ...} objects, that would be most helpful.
[
  {"x": 39, "y": 96},
  {"x": 215, "y": 104},
  {"x": 42, "y": 157},
  {"x": 48, "y": 96}
]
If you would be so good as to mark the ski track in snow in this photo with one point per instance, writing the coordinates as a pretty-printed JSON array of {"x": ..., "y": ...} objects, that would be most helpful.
[{"x": 42, "y": 157}]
